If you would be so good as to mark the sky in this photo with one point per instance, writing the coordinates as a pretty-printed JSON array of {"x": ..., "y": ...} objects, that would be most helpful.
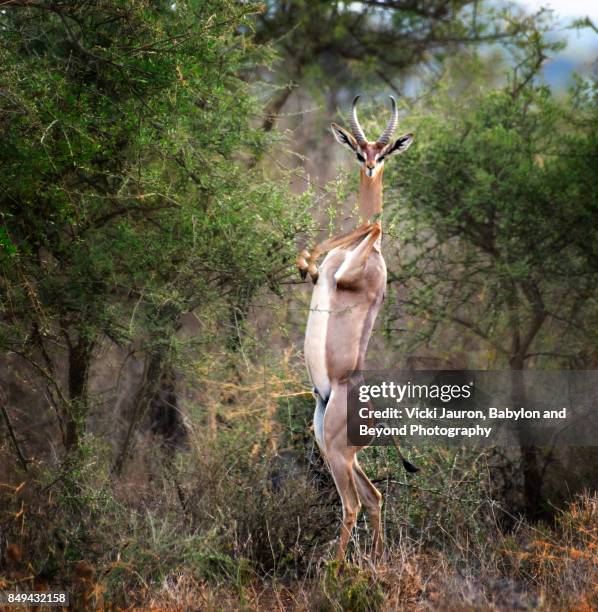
[
  {"x": 566, "y": 8},
  {"x": 581, "y": 53}
]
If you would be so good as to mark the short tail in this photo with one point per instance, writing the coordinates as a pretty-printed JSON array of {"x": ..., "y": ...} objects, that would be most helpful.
[
  {"x": 409, "y": 467},
  {"x": 412, "y": 469}
]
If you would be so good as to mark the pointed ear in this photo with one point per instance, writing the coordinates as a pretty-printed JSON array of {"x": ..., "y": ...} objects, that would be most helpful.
[
  {"x": 343, "y": 136},
  {"x": 400, "y": 144}
]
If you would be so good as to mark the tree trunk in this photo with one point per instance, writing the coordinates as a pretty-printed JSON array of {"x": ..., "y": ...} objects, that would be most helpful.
[
  {"x": 520, "y": 344},
  {"x": 78, "y": 374},
  {"x": 165, "y": 419},
  {"x": 146, "y": 391},
  {"x": 156, "y": 400},
  {"x": 532, "y": 480}
]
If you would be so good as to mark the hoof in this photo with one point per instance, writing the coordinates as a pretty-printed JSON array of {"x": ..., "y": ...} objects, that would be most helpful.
[{"x": 302, "y": 263}]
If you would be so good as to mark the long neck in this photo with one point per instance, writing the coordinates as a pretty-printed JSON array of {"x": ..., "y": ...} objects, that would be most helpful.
[{"x": 370, "y": 195}]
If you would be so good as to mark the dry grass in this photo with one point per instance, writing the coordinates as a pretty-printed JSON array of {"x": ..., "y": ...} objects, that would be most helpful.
[
  {"x": 524, "y": 570},
  {"x": 237, "y": 522}
]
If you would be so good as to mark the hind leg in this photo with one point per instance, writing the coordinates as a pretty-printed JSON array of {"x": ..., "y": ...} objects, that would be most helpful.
[
  {"x": 341, "y": 467},
  {"x": 340, "y": 458},
  {"x": 371, "y": 498}
]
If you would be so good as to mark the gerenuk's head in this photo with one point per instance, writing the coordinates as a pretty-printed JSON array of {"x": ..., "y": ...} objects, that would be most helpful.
[{"x": 372, "y": 155}]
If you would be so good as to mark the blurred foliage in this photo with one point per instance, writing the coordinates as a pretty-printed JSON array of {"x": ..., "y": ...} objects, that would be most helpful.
[
  {"x": 346, "y": 41},
  {"x": 331, "y": 47}
]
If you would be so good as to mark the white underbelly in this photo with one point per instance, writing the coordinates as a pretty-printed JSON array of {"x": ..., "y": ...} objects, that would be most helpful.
[{"x": 316, "y": 332}]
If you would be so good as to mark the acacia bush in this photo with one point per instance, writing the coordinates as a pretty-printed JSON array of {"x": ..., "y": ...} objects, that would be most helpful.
[{"x": 131, "y": 194}]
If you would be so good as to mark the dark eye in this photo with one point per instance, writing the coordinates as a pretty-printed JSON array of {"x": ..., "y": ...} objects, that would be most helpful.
[
  {"x": 380, "y": 159},
  {"x": 360, "y": 157}
]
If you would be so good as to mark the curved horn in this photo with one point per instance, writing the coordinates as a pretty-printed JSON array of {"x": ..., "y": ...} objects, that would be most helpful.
[
  {"x": 354, "y": 123},
  {"x": 392, "y": 123}
]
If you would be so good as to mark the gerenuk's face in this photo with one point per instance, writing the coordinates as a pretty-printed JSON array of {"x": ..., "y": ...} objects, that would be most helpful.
[{"x": 371, "y": 155}]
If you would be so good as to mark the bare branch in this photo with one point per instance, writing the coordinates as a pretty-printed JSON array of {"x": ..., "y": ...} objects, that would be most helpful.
[
  {"x": 479, "y": 332},
  {"x": 11, "y": 432}
]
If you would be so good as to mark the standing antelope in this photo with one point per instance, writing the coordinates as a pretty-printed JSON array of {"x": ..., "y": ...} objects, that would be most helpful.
[{"x": 348, "y": 292}]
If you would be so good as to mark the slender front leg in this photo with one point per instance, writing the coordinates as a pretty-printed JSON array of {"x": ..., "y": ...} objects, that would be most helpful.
[
  {"x": 307, "y": 261},
  {"x": 351, "y": 271}
]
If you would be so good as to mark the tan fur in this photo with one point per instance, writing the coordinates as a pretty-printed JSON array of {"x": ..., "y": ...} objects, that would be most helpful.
[
  {"x": 370, "y": 151},
  {"x": 347, "y": 296},
  {"x": 345, "y": 303},
  {"x": 370, "y": 194}
]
